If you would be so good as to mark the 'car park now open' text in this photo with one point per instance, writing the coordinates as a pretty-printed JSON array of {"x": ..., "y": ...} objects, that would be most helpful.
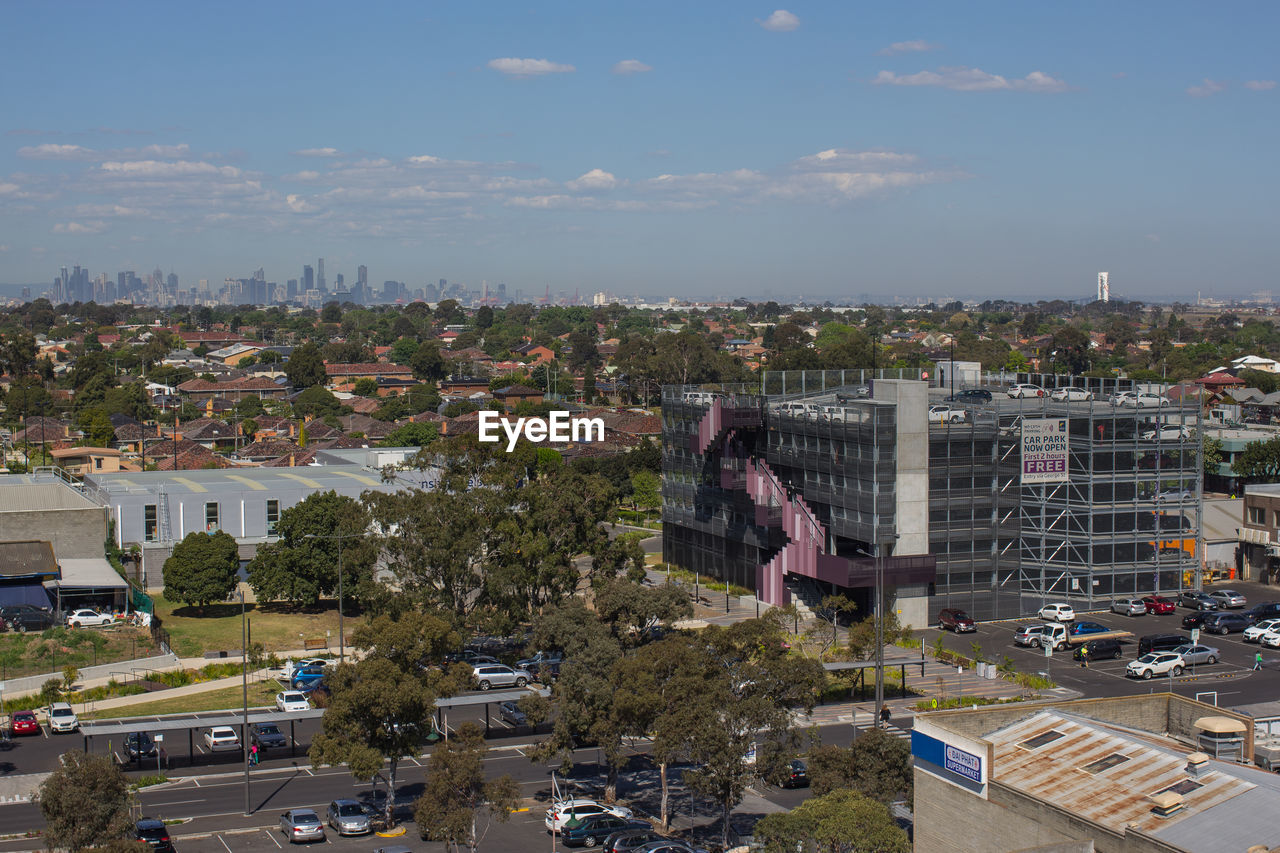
[{"x": 559, "y": 428}]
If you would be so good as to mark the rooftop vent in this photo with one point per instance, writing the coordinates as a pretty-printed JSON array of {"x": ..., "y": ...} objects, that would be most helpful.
[
  {"x": 1197, "y": 764},
  {"x": 1165, "y": 803}
]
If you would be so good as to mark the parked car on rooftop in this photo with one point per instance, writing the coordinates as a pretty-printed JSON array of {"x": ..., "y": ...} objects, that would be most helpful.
[
  {"x": 1157, "y": 604},
  {"x": 969, "y": 395},
  {"x": 1197, "y": 600},
  {"x": 1155, "y": 663},
  {"x": 1073, "y": 395},
  {"x": 1018, "y": 392},
  {"x": 301, "y": 825},
  {"x": 1255, "y": 631},
  {"x": 1198, "y": 654}
]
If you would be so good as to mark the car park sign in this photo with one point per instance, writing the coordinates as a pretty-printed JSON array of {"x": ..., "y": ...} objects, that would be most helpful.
[{"x": 1044, "y": 451}]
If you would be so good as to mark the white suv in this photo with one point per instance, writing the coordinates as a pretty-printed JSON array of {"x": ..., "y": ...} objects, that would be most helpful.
[
  {"x": 1156, "y": 663},
  {"x": 1255, "y": 632},
  {"x": 62, "y": 718}
]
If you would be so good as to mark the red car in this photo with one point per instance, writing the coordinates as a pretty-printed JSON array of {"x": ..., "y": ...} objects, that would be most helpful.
[
  {"x": 1157, "y": 605},
  {"x": 24, "y": 723}
]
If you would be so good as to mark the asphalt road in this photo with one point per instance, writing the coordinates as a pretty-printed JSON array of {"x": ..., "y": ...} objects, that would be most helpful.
[{"x": 1232, "y": 679}]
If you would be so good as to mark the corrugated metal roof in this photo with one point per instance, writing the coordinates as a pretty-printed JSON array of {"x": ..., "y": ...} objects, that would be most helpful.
[
  {"x": 30, "y": 496},
  {"x": 1115, "y": 797},
  {"x": 340, "y": 478}
]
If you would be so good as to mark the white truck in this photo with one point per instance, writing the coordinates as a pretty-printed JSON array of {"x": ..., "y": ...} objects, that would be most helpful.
[{"x": 1059, "y": 636}]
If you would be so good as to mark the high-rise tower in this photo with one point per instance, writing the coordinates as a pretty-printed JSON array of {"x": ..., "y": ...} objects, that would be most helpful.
[{"x": 1104, "y": 287}]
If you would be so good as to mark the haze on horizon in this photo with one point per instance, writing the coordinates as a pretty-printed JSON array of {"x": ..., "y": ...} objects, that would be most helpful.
[{"x": 821, "y": 150}]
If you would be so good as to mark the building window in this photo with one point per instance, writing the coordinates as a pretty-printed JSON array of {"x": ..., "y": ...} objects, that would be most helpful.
[
  {"x": 210, "y": 517},
  {"x": 273, "y": 517},
  {"x": 1257, "y": 515},
  {"x": 97, "y": 464},
  {"x": 150, "y": 523},
  {"x": 1277, "y": 515}
]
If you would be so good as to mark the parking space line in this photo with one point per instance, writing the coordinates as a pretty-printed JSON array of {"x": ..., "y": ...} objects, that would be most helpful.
[
  {"x": 272, "y": 836},
  {"x": 224, "y": 843}
]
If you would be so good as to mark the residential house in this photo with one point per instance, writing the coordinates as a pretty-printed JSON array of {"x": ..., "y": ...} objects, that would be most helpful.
[
  {"x": 512, "y": 395},
  {"x": 234, "y": 354},
  {"x": 535, "y": 353},
  {"x": 344, "y": 376},
  {"x": 464, "y": 386},
  {"x": 87, "y": 460},
  {"x": 199, "y": 390}
]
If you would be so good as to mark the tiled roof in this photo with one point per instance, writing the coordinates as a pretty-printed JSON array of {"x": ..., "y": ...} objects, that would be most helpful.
[
  {"x": 248, "y": 383},
  {"x": 380, "y": 369},
  {"x": 267, "y": 449}
]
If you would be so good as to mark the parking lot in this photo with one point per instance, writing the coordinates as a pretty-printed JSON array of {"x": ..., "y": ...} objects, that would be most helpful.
[{"x": 1232, "y": 678}]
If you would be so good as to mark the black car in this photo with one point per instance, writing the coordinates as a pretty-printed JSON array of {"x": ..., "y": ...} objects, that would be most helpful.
[
  {"x": 1196, "y": 620},
  {"x": 26, "y": 617},
  {"x": 154, "y": 833},
  {"x": 1225, "y": 623},
  {"x": 267, "y": 735},
  {"x": 1099, "y": 650},
  {"x": 1161, "y": 643},
  {"x": 628, "y": 839},
  {"x": 139, "y": 745},
  {"x": 1197, "y": 600},
  {"x": 1269, "y": 610},
  {"x": 592, "y": 830},
  {"x": 969, "y": 395},
  {"x": 796, "y": 776}
]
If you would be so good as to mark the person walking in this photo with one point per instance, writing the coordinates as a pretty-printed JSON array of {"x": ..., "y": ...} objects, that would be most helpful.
[
  {"x": 253, "y": 755},
  {"x": 1257, "y": 660},
  {"x": 884, "y": 716}
]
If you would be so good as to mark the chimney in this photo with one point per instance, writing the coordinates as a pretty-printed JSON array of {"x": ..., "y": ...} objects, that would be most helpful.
[
  {"x": 1165, "y": 804},
  {"x": 292, "y": 459},
  {"x": 1197, "y": 765}
]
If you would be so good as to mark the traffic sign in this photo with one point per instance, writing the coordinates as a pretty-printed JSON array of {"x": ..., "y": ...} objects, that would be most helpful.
[{"x": 1195, "y": 636}]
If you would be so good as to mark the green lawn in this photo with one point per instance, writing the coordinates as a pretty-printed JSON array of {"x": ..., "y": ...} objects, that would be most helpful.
[
  {"x": 262, "y": 693},
  {"x": 193, "y": 632}
]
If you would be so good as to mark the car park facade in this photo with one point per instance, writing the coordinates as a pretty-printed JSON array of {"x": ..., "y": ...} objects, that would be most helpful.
[{"x": 740, "y": 466}]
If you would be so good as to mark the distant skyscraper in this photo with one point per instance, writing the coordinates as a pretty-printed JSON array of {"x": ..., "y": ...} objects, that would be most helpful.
[
  {"x": 320, "y": 275},
  {"x": 362, "y": 276},
  {"x": 1104, "y": 287},
  {"x": 308, "y": 279}
]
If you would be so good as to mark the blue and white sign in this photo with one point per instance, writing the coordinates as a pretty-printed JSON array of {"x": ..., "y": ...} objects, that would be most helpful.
[{"x": 966, "y": 764}]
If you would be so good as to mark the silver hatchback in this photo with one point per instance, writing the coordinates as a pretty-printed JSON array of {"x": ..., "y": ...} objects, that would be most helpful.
[
  {"x": 1129, "y": 607},
  {"x": 301, "y": 825},
  {"x": 348, "y": 817}
]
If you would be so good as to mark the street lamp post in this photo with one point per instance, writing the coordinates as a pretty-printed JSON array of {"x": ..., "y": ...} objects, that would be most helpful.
[
  {"x": 342, "y": 637},
  {"x": 244, "y": 675}
]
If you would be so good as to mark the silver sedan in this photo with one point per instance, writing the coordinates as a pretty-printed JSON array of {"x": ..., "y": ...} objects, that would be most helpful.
[
  {"x": 301, "y": 825},
  {"x": 1228, "y": 598},
  {"x": 1196, "y": 655}
]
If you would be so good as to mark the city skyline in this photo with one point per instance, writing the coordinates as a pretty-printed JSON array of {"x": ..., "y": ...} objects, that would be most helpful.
[{"x": 722, "y": 150}]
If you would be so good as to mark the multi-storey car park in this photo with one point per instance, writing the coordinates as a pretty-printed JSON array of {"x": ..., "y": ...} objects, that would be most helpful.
[{"x": 809, "y": 483}]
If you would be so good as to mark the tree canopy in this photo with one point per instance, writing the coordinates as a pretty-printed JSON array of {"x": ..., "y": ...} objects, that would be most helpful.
[
  {"x": 202, "y": 569},
  {"x": 85, "y": 802}
]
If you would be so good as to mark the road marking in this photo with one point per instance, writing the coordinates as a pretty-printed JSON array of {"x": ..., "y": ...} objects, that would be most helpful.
[
  {"x": 272, "y": 836},
  {"x": 223, "y": 843},
  {"x": 178, "y": 803}
]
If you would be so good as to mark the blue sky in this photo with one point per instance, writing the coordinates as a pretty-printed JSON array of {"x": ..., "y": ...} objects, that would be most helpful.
[{"x": 823, "y": 150}]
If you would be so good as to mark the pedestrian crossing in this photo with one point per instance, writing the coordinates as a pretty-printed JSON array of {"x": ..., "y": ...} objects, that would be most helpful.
[{"x": 901, "y": 734}]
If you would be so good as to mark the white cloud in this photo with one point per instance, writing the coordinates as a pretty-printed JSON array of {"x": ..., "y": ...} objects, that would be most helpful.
[
  {"x": 298, "y": 204},
  {"x": 1207, "y": 88},
  {"x": 596, "y": 179},
  {"x": 317, "y": 152},
  {"x": 834, "y": 158},
  {"x": 425, "y": 160},
  {"x": 631, "y": 66},
  {"x": 96, "y": 227},
  {"x": 972, "y": 80},
  {"x": 53, "y": 151},
  {"x": 1259, "y": 85},
  {"x": 780, "y": 21},
  {"x": 917, "y": 46},
  {"x": 146, "y": 169},
  {"x": 8, "y": 188},
  {"x": 528, "y": 67}
]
